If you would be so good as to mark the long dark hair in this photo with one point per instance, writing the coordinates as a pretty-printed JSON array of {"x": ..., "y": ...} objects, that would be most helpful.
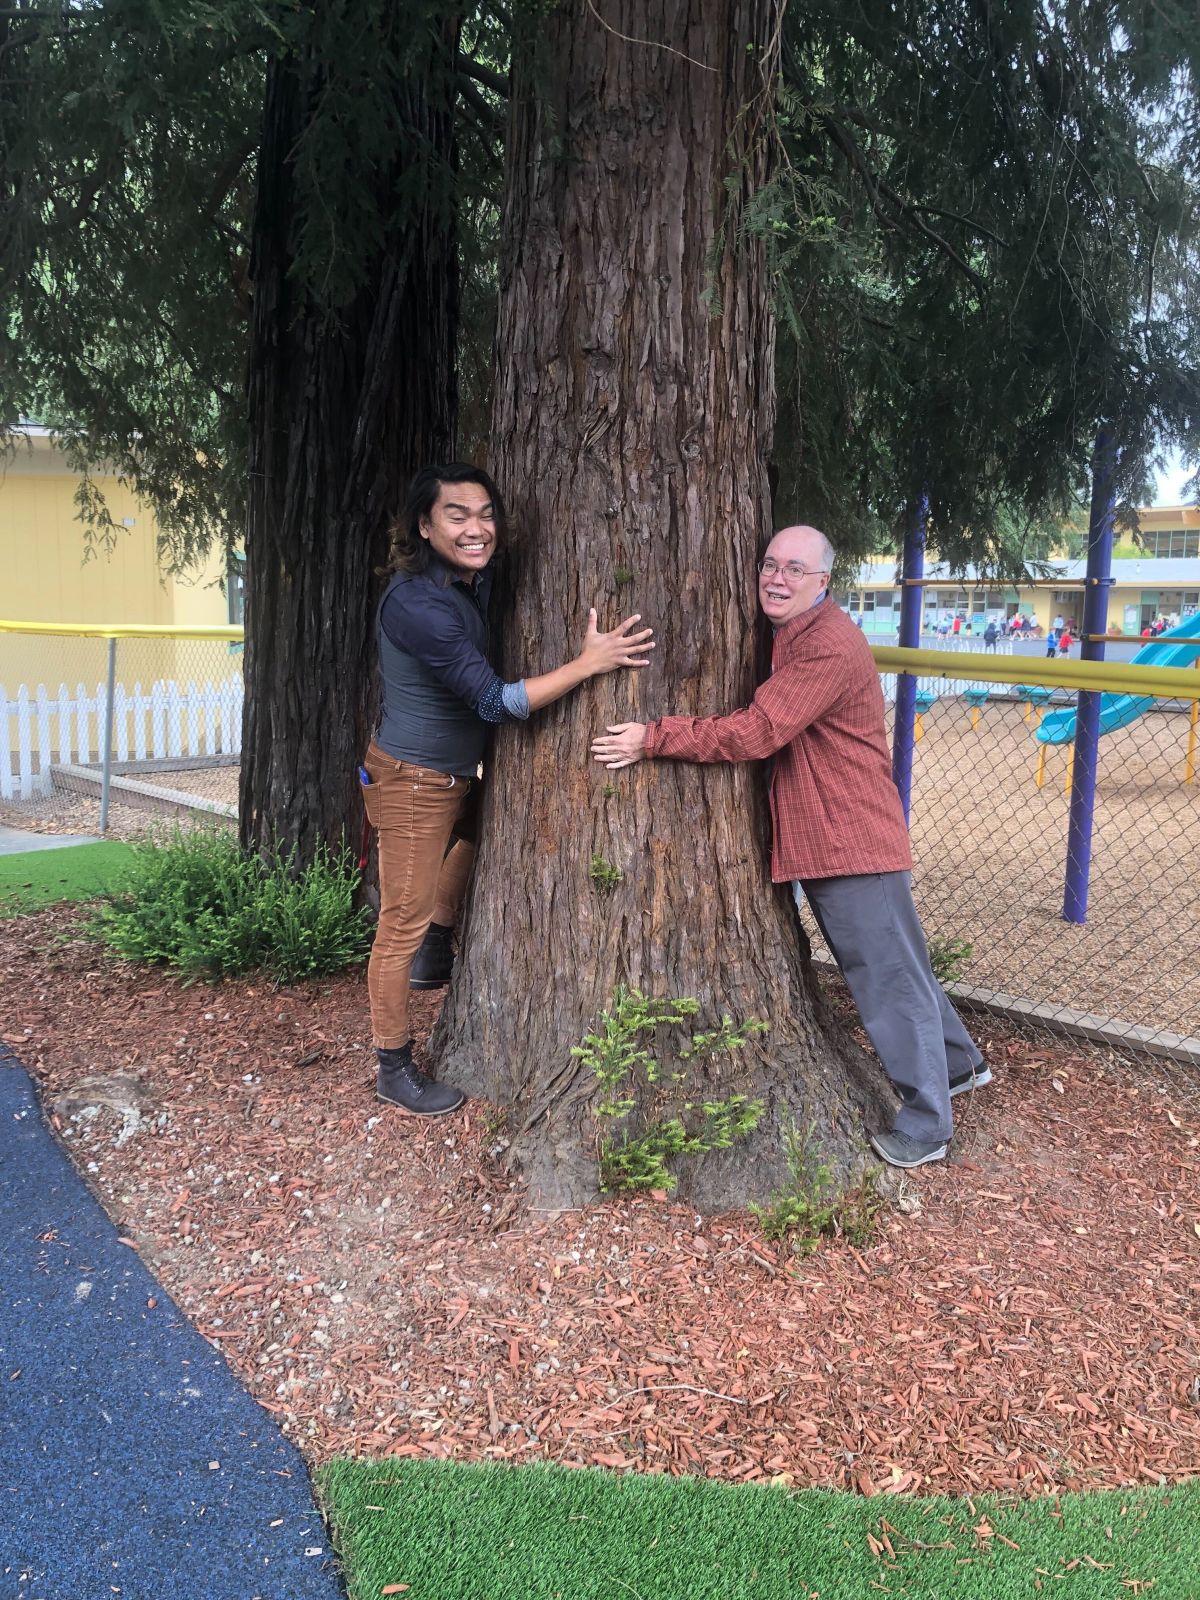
[{"x": 410, "y": 552}]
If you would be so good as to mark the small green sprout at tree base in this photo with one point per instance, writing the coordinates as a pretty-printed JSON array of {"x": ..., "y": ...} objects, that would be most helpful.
[
  {"x": 948, "y": 957},
  {"x": 618, "y": 1056},
  {"x": 812, "y": 1208},
  {"x": 635, "y": 1165}
]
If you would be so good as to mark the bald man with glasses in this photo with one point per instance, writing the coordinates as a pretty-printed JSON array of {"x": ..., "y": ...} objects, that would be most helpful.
[{"x": 838, "y": 831}]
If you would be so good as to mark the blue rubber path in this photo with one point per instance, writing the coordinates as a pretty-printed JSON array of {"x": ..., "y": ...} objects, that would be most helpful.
[{"x": 132, "y": 1462}]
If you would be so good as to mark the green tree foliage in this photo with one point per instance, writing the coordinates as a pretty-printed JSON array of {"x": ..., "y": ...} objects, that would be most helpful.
[
  {"x": 984, "y": 221},
  {"x": 127, "y": 138}
]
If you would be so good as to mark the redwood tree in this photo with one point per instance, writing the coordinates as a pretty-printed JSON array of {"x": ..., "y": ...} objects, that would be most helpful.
[
  {"x": 351, "y": 386},
  {"x": 631, "y": 429}
]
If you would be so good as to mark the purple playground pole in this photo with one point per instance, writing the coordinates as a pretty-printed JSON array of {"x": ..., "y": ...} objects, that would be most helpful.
[
  {"x": 912, "y": 601},
  {"x": 1087, "y": 716}
]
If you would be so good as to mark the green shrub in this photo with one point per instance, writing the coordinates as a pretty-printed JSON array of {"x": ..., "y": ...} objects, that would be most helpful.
[
  {"x": 811, "y": 1207},
  {"x": 201, "y": 905},
  {"x": 948, "y": 958}
]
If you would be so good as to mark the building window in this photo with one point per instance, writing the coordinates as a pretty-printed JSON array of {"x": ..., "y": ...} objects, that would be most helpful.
[
  {"x": 1172, "y": 542},
  {"x": 235, "y": 590}
]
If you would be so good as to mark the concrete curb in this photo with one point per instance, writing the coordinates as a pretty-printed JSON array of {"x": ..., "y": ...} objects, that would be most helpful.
[
  {"x": 1066, "y": 1022},
  {"x": 138, "y": 793}
]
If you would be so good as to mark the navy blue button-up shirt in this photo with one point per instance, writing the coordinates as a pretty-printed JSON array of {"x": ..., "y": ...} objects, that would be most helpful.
[{"x": 440, "y": 692}]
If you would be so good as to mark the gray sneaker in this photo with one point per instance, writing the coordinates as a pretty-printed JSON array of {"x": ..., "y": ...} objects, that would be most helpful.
[
  {"x": 971, "y": 1080},
  {"x": 899, "y": 1150}
]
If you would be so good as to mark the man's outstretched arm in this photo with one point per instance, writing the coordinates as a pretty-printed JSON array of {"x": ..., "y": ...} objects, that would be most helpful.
[{"x": 784, "y": 705}]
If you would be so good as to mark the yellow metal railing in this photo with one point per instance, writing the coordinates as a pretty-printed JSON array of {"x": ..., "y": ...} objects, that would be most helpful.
[
  {"x": 1110, "y": 677},
  {"x": 126, "y": 630}
]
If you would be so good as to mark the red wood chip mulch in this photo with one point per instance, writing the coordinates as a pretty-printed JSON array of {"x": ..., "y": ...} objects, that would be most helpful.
[{"x": 382, "y": 1289}]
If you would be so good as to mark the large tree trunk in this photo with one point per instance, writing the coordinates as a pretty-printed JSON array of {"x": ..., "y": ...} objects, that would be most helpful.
[
  {"x": 632, "y": 424},
  {"x": 348, "y": 394}
]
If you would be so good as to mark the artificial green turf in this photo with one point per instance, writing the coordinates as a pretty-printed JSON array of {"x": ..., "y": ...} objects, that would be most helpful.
[
  {"x": 452, "y": 1531},
  {"x": 36, "y": 878}
]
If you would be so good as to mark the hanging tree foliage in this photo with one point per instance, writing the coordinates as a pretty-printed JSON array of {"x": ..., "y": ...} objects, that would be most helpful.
[
  {"x": 984, "y": 225},
  {"x": 980, "y": 229}
]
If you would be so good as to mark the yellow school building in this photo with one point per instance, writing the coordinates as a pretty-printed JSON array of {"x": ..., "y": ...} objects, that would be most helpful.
[
  {"x": 52, "y": 572},
  {"x": 1158, "y": 577}
]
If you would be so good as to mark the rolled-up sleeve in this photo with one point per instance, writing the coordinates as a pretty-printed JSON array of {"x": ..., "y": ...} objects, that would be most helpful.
[{"x": 430, "y": 627}]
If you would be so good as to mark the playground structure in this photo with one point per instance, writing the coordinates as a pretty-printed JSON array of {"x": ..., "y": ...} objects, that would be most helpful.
[
  {"x": 1036, "y": 697},
  {"x": 1177, "y": 647},
  {"x": 1087, "y": 726}
]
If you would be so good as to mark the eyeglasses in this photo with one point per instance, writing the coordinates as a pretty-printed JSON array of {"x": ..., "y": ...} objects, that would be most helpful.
[{"x": 792, "y": 570}]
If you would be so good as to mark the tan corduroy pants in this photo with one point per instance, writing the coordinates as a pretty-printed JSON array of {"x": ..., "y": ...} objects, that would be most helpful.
[{"x": 413, "y": 811}]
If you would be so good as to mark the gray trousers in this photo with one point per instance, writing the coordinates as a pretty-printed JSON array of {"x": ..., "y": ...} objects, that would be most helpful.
[{"x": 871, "y": 925}]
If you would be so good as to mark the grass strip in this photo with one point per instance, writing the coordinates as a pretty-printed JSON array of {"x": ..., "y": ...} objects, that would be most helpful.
[
  {"x": 35, "y": 878},
  {"x": 442, "y": 1530}
]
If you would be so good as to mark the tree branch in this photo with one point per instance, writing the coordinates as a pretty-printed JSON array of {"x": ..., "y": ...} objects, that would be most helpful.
[
  {"x": 878, "y": 190},
  {"x": 486, "y": 114},
  {"x": 226, "y": 178},
  {"x": 484, "y": 75},
  {"x": 967, "y": 222}
]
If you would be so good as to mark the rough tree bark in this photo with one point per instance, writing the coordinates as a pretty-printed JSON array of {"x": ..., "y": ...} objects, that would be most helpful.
[
  {"x": 345, "y": 402},
  {"x": 631, "y": 430}
]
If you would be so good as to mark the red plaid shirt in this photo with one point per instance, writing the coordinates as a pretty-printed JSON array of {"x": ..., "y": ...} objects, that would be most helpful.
[{"x": 834, "y": 808}]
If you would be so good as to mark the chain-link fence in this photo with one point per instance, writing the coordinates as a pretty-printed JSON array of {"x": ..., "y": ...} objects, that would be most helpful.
[
  {"x": 119, "y": 731},
  {"x": 992, "y": 784},
  {"x": 993, "y": 780}
]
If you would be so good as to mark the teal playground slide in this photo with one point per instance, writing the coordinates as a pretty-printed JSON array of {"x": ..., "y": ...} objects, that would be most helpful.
[{"x": 1178, "y": 647}]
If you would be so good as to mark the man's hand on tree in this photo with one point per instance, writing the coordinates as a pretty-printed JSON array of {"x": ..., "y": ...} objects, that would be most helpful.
[
  {"x": 604, "y": 652},
  {"x": 622, "y": 745}
]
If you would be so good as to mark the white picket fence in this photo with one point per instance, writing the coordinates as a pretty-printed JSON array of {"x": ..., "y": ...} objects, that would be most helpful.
[{"x": 38, "y": 731}]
